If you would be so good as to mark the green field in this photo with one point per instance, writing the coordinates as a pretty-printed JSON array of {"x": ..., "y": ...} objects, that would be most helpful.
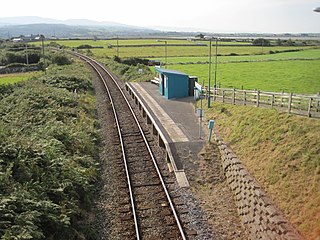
[
  {"x": 250, "y": 67},
  {"x": 184, "y": 51},
  {"x": 16, "y": 77},
  {"x": 300, "y": 76},
  {"x": 173, "y": 51},
  {"x": 306, "y": 54}
]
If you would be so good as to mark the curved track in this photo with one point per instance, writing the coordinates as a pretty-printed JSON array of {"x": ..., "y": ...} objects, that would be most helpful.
[{"x": 149, "y": 204}]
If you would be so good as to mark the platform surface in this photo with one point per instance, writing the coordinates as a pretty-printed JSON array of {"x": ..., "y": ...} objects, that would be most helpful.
[{"x": 177, "y": 120}]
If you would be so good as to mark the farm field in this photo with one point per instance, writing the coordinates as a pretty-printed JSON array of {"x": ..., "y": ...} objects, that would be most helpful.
[
  {"x": 173, "y": 51},
  {"x": 306, "y": 54},
  {"x": 290, "y": 76},
  {"x": 184, "y": 51},
  {"x": 74, "y": 43},
  {"x": 16, "y": 77},
  {"x": 250, "y": 67}
]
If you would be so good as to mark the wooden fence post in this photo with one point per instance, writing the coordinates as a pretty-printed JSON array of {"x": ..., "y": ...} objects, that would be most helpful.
[
  {"x": 318, "y": 102},
  {"x": 289, "y": 102},
  {"x": 223, "y": 96},
  {"x": 244, "y": 97},
  {"x": 272, "y": 100},
  {"x": 234, "y": 96},
  {"x": 309, "y": 107},
  {"x": 258, "y": 98}
]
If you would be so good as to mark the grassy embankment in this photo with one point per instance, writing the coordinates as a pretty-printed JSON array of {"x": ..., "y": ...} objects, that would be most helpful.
[
  {"x": 47, "y": 156},
  {"x": 282, "y": 151}
]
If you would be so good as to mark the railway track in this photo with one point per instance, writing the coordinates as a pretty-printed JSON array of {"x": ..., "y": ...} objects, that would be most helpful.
[{"x": 148, "y": 210}]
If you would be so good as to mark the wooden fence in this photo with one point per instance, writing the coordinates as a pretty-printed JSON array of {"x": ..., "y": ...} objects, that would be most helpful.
[{"x": 307, "y": 105}]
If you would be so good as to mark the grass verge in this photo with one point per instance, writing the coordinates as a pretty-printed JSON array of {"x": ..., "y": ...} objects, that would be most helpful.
[{"x": 282, "y": 151}]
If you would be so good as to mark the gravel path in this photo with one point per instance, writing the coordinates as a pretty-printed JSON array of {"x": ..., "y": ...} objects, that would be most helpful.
[{"x": 210, "y": 188}]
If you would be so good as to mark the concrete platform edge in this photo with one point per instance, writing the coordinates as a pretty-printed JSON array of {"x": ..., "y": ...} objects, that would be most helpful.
[{"x": 180, "y": 174}]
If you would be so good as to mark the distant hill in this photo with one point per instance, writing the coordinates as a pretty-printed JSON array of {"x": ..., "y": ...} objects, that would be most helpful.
[
  {"x": 84, "y": 28},
  {"x": 16, "y": 26}
]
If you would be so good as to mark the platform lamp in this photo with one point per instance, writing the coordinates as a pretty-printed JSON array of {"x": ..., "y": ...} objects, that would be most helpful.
[{"x": 165, "y": 51}]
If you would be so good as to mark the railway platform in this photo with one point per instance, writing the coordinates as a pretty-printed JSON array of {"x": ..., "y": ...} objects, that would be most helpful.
[{"x": 177, "y": 123}]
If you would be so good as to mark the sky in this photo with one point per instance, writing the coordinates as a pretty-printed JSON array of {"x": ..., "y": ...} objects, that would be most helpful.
[{"x": 262, "y": 16}]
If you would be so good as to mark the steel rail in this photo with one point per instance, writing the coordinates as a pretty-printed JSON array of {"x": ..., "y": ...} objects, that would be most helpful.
[
  {"x": 122, "y": 149},
  {"x": 90, "y": 60}
]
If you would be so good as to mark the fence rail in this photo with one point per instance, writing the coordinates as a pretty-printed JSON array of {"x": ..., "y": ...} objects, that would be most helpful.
[{"x": 307, "y": 105}]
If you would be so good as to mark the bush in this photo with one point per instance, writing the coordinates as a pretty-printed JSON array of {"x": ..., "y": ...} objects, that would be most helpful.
[
  {"x": 261, "y": 42},
  {"x": 20, "y": 57},
  {"x": 132, "y": 61},
  {"x": 84, "y": 46},
  {"x": 60, "y": 59},
  {"x": 47, "y": 167}
]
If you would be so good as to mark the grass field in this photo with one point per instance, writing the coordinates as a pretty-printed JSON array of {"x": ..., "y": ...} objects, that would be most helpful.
[
  {"x": 16, "y": 77},
  {"x": 306, "y": 54},
  {"x": 74, "y": 43},
  {"x": 184, "y": 51},
  {"x": 300, "y": 76},
  {"x": 255, "y": 68},
  {"x": 173, "y": 51}
]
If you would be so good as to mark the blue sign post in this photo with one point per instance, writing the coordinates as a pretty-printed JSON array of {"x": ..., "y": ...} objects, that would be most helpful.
[{"x": 210, "y": 126}]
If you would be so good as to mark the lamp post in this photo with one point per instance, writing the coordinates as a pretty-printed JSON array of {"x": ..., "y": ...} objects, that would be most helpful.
[{"x": 165, "y": 51}]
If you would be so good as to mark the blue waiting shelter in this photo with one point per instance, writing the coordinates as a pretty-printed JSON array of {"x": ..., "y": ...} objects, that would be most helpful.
[{"x": 173, "y": 84}]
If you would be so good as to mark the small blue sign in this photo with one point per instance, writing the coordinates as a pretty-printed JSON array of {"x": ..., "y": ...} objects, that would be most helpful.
[{"x": 211, "y": 124}]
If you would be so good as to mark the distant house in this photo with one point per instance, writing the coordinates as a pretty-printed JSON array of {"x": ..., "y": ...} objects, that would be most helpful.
[
  {"x": 30, "y": 38},
  {"x": 16, "y": 40}
]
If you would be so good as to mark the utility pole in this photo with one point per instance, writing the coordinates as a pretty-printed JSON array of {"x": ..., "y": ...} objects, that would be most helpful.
[
  {"x": 44, "y": 58},
  {"x": 27, "y": 57},
  {"x": 216, "y": 66},
  {"x": 165, "y": 51},
  {"x": 117, "y": 46},
  {"x": 209, "y": 77}
]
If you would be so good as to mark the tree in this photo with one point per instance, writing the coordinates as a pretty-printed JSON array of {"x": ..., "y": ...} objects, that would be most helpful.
[
  {"x": 60, "y": 59},
  {"x": 261, "y": 42},
  {"x": 201, "y": 36},
  {"x": 279, "y": 42}
]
